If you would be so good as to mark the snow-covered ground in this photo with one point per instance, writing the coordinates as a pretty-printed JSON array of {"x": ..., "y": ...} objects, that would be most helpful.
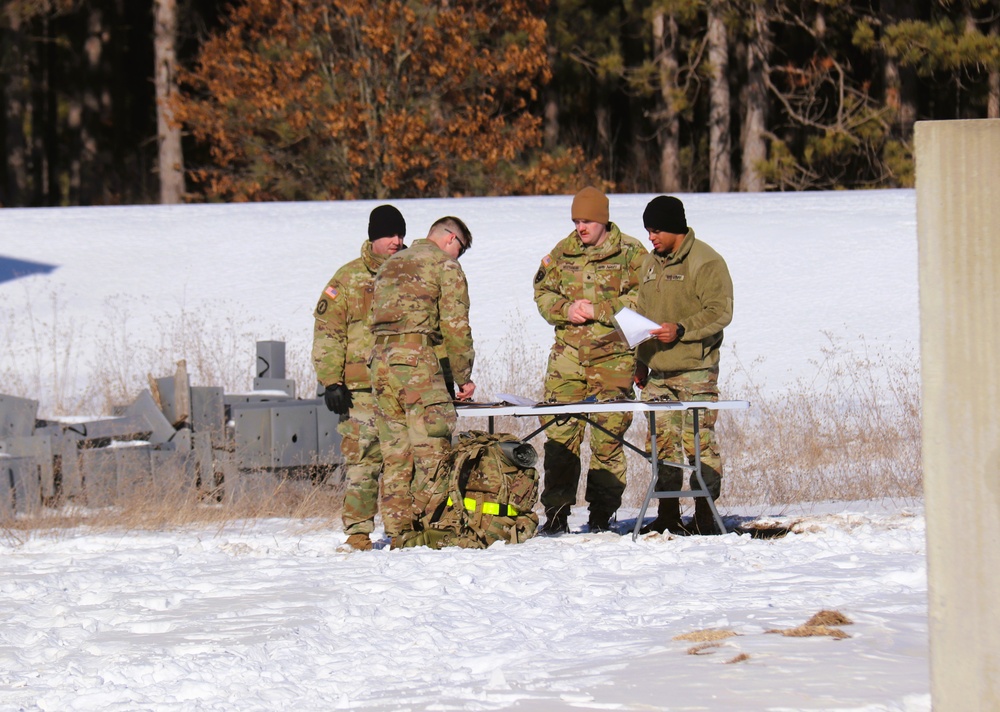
[
  {"x": 276, "y": 615},
  {"x": 272, "y": 618}
]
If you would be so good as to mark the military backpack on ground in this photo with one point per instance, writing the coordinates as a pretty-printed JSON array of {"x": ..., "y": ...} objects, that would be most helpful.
[{"x": 483, "y": 492}]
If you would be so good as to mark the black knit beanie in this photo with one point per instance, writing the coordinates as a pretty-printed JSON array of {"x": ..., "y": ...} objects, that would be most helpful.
[
  {"x": 385, "y": 221},
  {"x": 666, "y": 214}
]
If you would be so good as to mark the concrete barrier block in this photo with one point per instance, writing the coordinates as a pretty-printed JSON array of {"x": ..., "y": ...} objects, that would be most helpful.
[
  {"x": 100, "y": 476},
  {"x": 17, "y": 416}
]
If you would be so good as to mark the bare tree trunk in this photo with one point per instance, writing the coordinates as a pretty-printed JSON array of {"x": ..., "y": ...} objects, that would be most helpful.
[
  {"x": 900, "y": 96},
  {"x": 551, "y": 133},
  {"x": 993, "y": 98},
  {"x": 44, "y": 123},
  {"x": 664, "y": 47},
  {"x": 719, "y": 145},
  {"x": 85, "y": 115},
  {"x": 171, "y": 158},
  {"x": 755, "y": 103},
  {"x": 602, "y": 121},
  {"x": 551, "y": 130},
  {"x": 966, "y": 111},
  {"x": 900, "y": 82},
  {"x": 15, "y": 183}
]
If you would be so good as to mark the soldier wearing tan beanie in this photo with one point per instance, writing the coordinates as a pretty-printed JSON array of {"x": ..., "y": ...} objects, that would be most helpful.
[
  {"x": 590, "y": 275},
  {"x": 591, "y": 205}
]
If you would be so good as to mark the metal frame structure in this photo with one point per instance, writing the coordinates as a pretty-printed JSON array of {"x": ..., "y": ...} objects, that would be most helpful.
[{"x": 581, "y": 410}]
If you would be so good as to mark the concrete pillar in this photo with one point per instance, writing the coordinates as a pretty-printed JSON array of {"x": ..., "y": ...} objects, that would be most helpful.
[{"x": 958, "y": 230}]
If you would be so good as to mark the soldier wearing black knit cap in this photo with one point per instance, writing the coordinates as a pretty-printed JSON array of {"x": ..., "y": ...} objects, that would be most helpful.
[
  {"x": 342, "y": 341},
  {"x": 684, "y": 287}
]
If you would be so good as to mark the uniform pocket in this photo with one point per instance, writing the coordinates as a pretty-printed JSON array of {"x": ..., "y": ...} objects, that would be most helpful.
[
  {"x": 439, "y": 413},
  {"x": 401, "y": 355}
]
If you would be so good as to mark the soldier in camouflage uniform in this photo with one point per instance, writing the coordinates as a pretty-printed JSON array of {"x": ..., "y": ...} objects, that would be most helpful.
[
  {"x": 686, "y": 288},
  {"x": 342, "y": 342},
  {"x": 421, "y": 300},
  {"x": 581, "y": 284}
]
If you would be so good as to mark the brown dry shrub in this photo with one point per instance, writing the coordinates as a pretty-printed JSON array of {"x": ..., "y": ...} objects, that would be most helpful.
[
  {"x": 706, "y": 635},
  {"x": 808, "y": 631},
  {"x": 829, "y": 618}
]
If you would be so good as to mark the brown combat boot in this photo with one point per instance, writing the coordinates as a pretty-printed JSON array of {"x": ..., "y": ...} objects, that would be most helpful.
[{"x": 359, "y": 542}]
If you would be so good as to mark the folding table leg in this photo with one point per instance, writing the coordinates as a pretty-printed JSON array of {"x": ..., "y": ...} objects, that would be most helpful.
[
  {"x": 653, "y": 461},
  {"x": 702, "y": 490},
  {"x": 697, "y": 472}
]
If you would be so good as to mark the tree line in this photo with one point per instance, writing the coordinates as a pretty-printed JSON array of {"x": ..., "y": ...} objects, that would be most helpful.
[{"x": 145, "y": 101}]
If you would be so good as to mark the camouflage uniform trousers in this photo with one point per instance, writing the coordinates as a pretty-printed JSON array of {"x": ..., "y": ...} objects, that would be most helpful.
[
  {"x": 568, "y": 381},
  {"x": 416, "y": 417},
  {"x": 674, "y": 430},
  {"x": 359, "y": 445}
]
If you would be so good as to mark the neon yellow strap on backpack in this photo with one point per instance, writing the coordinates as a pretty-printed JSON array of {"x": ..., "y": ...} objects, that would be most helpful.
[{"x": 494, "y": 508}]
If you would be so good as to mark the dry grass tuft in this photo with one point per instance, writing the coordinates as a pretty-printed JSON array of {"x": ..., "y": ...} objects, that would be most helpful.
[
  {"x": 152, "y": 508},
  {"x": 50, "y": 368},
  {"x": 851, "y": 432},
  {"x": 703, "y": 649},
  {"x": 819, "y": 624},
  {"x": 742, "y": 657},
  {"x": 829, "y": 618},
  {"x": 809, "y": 631},
  {"x": 706, "y": 635}
]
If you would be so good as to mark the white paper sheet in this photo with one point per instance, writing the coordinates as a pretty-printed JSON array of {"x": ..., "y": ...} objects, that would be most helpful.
[{"x": 633, "y": 327}]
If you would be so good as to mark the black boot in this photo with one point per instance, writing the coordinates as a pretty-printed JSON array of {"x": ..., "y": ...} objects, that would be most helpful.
[
  {"x": 599, "y": 522},
  {"x": 704, "y": 521},
  {"x": 668, "y": 519},
  {"x": 556, "y": 522}
]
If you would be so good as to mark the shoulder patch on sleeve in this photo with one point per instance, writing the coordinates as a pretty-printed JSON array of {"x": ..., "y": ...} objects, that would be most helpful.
[
  {"x": 331, "y": 292},
  {"x": 321, "y": 307},
  {"x": 540, "y": 274}
]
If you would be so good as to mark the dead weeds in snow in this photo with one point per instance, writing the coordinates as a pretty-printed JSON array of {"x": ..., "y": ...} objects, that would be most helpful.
[{"x": 820, "y": 624}]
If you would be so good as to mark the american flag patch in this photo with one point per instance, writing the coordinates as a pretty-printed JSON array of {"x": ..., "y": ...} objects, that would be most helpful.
[
  {"x": 547, "y": 260},
  {"x": 330, "y": 292}
]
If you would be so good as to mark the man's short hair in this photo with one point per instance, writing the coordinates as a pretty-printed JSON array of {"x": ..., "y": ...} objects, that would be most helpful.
[{"x": 450, "y": 223}]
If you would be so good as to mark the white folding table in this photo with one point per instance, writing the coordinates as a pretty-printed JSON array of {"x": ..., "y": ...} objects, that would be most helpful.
[{"x": 581, "y": 410}]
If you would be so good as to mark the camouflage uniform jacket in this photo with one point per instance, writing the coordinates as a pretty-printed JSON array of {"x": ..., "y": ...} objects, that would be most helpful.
[
  {"x": 607, "y": 275},
  {"x": 423, "y": 291},
  {"x": 342, "y": 339},
  {"x": 692, "y": 288}
]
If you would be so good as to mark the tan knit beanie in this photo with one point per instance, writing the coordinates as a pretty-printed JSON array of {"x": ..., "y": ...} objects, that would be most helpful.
[{"x": 592, "y": 205}]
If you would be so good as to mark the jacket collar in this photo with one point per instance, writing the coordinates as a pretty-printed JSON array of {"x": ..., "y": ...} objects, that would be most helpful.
[
  {"x": 682, "y": 251},
  {"x": 371, "y": 260},
  {"x": 611, "y": 245}
]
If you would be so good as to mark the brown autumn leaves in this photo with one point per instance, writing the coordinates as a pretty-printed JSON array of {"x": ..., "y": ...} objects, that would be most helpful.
[{"x": 307, "y": 99}]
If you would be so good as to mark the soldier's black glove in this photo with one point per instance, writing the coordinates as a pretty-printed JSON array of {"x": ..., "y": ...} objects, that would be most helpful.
[{"x": 338, "y": 399}]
